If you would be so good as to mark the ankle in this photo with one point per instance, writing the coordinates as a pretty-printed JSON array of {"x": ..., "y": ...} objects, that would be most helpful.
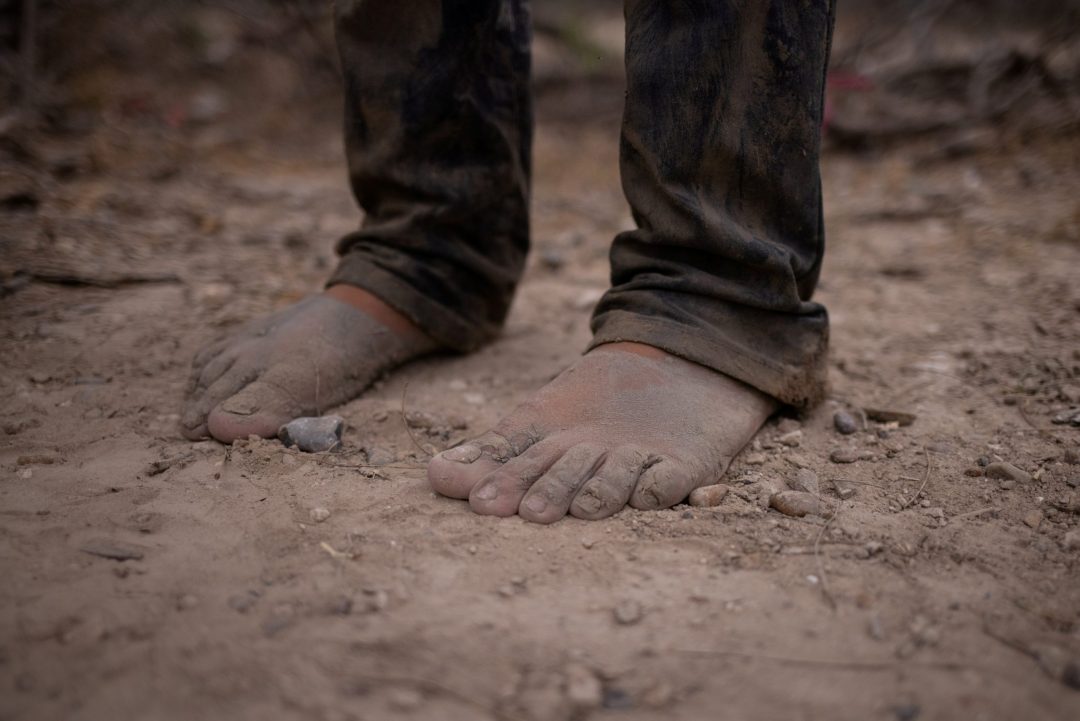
[{"x": 373, "y": 306}]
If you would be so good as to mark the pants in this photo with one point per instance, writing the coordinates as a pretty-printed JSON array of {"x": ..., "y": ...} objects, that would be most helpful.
[{"x": 718, "y": 156}]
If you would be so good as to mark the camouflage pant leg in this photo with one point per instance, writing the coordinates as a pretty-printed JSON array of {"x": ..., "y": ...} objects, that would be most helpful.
[
  {"x": 719, "y": 160},
  {"x": 438, "y": 130}
]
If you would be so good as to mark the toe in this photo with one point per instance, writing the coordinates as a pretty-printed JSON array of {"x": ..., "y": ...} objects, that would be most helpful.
[
  {"x": 193, "y": 423},
  {"x": 208, "y": 353},
  {"x": 259, "y": 408},
  {"x": 549, "y": 498},
  {"x": 211, "y": 371},
  {"x": 455, "y": 472},
  {"x": 663, "y": 484},
  {"x": 501, "y": 491},
  {"x": 609, "y": 489}
]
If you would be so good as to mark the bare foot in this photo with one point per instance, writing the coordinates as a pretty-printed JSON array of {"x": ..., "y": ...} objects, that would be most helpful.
[
  {"x": 299, "y": 361},
  {"x": 626, "y": 424}
]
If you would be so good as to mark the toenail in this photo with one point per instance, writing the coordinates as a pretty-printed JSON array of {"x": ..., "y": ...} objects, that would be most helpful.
[
  {"x": 588, "y": 503},
  {"x": 462, "y": 454},
  {"x": 487, "y": 493},
  {"x": 536, "y": 504}
]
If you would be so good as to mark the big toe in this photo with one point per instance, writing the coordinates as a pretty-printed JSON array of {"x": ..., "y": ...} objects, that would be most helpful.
[
  {"x": 455, "y": 471},
  {"x": 259, "y": 408}
]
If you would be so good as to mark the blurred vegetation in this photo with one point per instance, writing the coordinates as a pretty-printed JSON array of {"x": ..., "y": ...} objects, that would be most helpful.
[{"x": 898, "y": 66}]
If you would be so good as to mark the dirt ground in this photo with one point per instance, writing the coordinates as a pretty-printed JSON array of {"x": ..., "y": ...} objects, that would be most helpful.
[{"x": 935, "y": 591}]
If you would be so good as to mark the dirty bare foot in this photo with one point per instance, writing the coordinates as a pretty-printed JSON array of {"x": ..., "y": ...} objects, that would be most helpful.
[
  {"x": 627, "y": 424},
  {"x": 299, "y": 361}
]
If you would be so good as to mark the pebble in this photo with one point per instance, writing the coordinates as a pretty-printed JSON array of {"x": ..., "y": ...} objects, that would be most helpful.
[
  {"x": 1033, "y": 519},
  {"x": 843, "y": 489},
  {"x": 319, "y": 514},
  {"x": 754, "y": 459},
  {"x": 1069, "y": 416},
  {"x": 583, "y": 688},
  {"x": 1071, "y": 456},
  {"x": 796, "y": 503},
  {"x": 552, "y": 259},
  {"x": 787, "y": 425},
  {"x": 1072, "y": 540},
  {"x": 1007, "y": 472},
  {"x": 708, "y": 496},
  {"x": 474, "y": 399},
  {"x": 843, "y": 455},
  {"x": 791, "y": 439},
  {"x": 617, "y": 698},
  {"x": 973, "y": 471},
  {"x": 844, "y": 422},
  {"x": 627, "y": 613},
  {"x": 882, "y": 415},
  {"x": 313, "y": 434},
  {"x": 805, "y": 480}
]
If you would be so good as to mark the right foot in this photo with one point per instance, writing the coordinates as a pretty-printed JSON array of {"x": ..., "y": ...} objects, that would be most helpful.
[{"x": 299, "y": 361}]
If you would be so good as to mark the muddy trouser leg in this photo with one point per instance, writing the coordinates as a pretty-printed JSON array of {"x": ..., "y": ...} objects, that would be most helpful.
[
  {"x": 719, "y": 161},
  {"x": 438, "y": 133}
]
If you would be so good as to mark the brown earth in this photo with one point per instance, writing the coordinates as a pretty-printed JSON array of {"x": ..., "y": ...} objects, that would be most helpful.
[{"x": 934, "y": 592}]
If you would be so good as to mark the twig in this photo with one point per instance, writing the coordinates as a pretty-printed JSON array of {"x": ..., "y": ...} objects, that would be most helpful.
[
  {"x": 973, "y": 514},
  {"x": 926, "y": 478},
  {"x": 857, "y": 665},
  {"x": 817, "y": 557},
  {"x": 861, "y": 483},
  {"x": 405, "y": 421}
]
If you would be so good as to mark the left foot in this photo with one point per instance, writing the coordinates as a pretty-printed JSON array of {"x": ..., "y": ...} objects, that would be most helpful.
[{"x": 626, "y": 424}]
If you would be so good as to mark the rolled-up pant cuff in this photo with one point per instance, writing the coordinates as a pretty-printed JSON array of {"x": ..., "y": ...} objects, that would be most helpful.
[
  {"x": 795, "y": 376},
  {"x": 450, "y": 329}
]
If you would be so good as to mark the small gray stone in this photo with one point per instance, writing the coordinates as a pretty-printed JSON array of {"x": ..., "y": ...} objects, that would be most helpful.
[
  {"x": 1072, "y": 540},
  {"x": 843, "y": 455},
  {"x": 1007, "y": 471},
  {"x": 843, "y": 489},
  {"x": 313, "y": 435},
  {"x": 1069, "y": 416},
  {"x": 1071, "y": 456},
  {"x": 1033, "y": 519},
  {"x": 844, "y": 423},
  {"x": 318, "y": 515}
]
